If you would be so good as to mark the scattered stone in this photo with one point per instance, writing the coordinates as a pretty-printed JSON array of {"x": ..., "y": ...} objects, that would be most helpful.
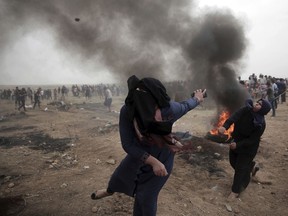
[
  {"x": 215, "y": 188},
  {"x": 71, "y": 145},
  {"x": 95, "y": 209},
  {"x": 228, "y": 207},
  {"x": 111, "y": 161},
  {"x": 217, "y": 155},
  {"x": 108, "y": 124},
  {"x": 11, "y": 185},
  {"x": 64, "y": 185}
]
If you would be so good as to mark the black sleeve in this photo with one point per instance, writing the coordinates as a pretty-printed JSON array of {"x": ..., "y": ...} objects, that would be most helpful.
[{"x": 234, "y": 117}]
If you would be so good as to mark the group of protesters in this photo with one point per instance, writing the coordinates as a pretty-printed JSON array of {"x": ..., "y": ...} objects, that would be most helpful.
[
  {"x": 98, "y": 90},
  {"x": 21, "y": 95},
  {"x": 268, "y": 87},
  {"x": 274, "y": 89}
]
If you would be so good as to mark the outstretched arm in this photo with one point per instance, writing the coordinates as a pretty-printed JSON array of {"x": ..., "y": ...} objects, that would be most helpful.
[{"x": 181, "y": 108}]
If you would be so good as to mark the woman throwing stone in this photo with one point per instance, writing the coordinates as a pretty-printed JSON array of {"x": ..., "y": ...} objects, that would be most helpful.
[{"x": 145, "y": 127}]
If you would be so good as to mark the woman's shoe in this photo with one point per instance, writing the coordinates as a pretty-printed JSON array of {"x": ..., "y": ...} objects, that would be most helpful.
[{"x": 100, "y": 194}]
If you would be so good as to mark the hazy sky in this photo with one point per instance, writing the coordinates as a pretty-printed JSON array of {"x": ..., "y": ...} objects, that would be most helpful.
[
  {"x": 267, "y": 32},
  {"x": 35, "y": 57}
]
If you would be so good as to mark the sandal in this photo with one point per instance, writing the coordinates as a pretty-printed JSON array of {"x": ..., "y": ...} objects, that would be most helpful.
[{"x": 100, "y": 194}]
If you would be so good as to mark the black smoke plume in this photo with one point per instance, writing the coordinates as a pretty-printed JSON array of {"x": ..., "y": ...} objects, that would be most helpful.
[
  {"x": 157, "y": 38},
  {"x": 214, "y": 52}
]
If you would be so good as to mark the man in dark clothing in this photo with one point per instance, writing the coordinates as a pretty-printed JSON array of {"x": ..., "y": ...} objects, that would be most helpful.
[
  {"x": 37, "y": 96},
  {"x": 22, "y": 98},
  {"x": 249, "y": 125},
  {"x": 16, "y": 95},
  {"x": 282, "y": 90}
]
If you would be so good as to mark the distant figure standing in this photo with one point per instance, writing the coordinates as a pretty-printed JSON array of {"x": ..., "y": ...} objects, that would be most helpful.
[
  {"x": 108, "y": 98},
  {"x": 271, "y": 98},
  {"x": 30, "y": 94},
  {"x": 37, "y": 96},
  {"x": 63, "y": 92},
  {"x": 22, "y": 97},
  {"x": 282, "y": 90},
  {"x": 275, "y": 90},
  {"x": 55, "y": 94},
  {"x": 87, "y": 92},
  {"x": 16, "y": 95}
]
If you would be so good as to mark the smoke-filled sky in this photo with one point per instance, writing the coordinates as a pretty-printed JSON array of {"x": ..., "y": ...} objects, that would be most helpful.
[
  {"x": 42, "y": 43},
  {"x": 266, "y": 30}
]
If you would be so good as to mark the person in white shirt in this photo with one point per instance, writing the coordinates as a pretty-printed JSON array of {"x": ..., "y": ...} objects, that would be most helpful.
[{"x": 108, "y": 98}]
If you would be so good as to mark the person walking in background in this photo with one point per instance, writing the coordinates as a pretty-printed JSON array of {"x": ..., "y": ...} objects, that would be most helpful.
[
  {"x": 63, "y": 93},
  {"x": 22, "y": 98},
  {"x": 145, "y": 127},
  {"x": 282, "y": 90},
  {"x": 87, "y": 92},
  {"x": 271, "y": 97},
  {"x": 108, "y": 98},
  {"x": 249, "y": 125},
  {"x": 30, "y": 94},
  {"x": 16, "y": 95},
  {"x": 55, "y": 93},
  {"x": 263, "y": 85},
  {"x": 275, "y": 90},
  {"x": 37, "y": 96}
]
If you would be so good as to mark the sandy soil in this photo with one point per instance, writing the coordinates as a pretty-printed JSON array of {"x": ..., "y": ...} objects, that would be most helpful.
[{"x": 52, "y": 159}]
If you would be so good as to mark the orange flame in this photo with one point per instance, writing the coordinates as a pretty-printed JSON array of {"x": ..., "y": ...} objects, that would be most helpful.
[{"x": 222, "y": 118}]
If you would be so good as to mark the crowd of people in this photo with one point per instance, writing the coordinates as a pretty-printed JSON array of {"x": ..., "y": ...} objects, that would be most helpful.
[
  {"x": 104, "y": 92},
  {"x": 24, "y": 96},
  {"x": 262, "y": 86},
  {"x": 267, "y": 87}
]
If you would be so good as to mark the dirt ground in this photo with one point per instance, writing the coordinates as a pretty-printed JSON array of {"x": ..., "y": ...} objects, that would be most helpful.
[{"x": 53, "y": 158}]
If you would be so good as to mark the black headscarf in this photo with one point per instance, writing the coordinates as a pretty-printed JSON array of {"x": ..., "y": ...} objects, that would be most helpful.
[
  {"x": 143, "y": 97},
  {"x": 259, "y": 118}
]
